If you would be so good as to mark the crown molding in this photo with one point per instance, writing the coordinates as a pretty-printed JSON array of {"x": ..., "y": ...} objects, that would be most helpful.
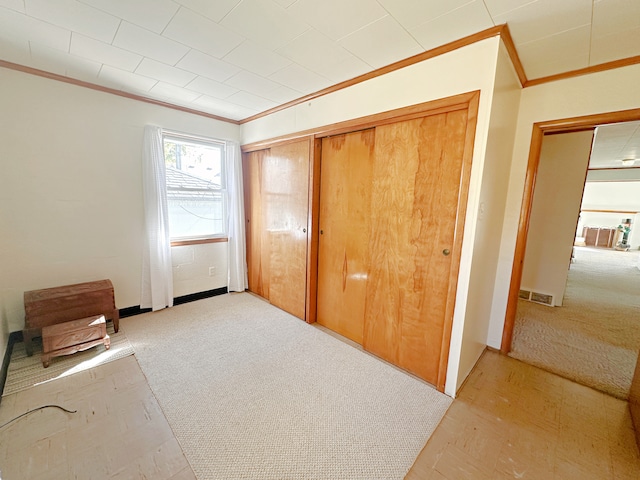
[
  {"x": 505, "y": 35},
  {"x": 500, "y": 30},
  {"x": 112, "y": 91},
  {"x": 420, "y": 57},
  {"x": 623, "y": 62}
]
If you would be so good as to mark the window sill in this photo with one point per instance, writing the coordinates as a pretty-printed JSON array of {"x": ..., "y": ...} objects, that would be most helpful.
[{"x": 197, "y": 241}]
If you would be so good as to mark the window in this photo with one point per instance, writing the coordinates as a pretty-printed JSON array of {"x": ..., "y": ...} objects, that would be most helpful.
[{"x": 196, "y": 193}]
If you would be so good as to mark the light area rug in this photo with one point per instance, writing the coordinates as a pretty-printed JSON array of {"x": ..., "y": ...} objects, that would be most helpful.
[
  {"x": 252, "y": 392},
  {"x": 594, "y": 337},
  {"x": 25, "y": 372}
]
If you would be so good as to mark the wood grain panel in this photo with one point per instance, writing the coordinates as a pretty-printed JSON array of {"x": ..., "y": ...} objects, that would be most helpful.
[
  {"x": 343, "y": 259},
  {"x": 257, "y": 250},
  {"x": 416, "y": 185},
  {"x": 285, "y": 197}
]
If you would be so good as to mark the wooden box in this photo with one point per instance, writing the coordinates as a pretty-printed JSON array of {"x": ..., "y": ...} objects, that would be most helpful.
[
  {"x": 51, "y": 306},
  {"x": 74, "y": 336}
]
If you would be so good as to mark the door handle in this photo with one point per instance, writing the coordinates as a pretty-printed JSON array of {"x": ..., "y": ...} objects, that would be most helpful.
[
  {"x": 446, "y": 252},
  {"x": 345, "y": 272}
]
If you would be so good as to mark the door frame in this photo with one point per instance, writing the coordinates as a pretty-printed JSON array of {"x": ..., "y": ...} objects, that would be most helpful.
[{"x": 564, "y": 125}]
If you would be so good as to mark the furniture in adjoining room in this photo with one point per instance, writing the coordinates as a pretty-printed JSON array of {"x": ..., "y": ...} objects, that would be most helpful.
[
  {"x": 51, "y": 306},
  {"x": 599, "y": 236}
]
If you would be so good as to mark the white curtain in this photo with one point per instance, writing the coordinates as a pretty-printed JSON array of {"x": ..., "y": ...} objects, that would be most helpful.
[
  {"x": 237, "y": 275},
  {"x": 157, "y": 278}
]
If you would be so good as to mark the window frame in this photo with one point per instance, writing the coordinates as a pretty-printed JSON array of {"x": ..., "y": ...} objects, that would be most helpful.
[{"x": 185, "y": 138}]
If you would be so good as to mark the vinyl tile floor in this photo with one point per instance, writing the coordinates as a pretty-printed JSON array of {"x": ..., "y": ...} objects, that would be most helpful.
[
  {"x": 118, "y": 431},
  {"x": 510, "y": 420},
  {"x": 515, "y": 421}
]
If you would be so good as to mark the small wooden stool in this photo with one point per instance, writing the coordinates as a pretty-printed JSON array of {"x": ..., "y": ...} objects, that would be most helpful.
[{"x": 74, "y": 336}]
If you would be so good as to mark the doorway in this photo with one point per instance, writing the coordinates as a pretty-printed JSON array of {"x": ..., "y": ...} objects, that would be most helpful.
[{"x": 581, "y": 346}]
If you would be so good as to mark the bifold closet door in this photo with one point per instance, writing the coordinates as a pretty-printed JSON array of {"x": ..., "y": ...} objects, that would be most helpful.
[
  {"x": 343, "y": 259},
  {"x": 286, "y": 197},
  {"x": 416, "y": 184}
]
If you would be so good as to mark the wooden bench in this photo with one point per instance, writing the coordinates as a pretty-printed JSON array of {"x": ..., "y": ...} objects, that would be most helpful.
[
  {"x": 51, "y": 306},
  {"x": 74, "y": 336}
]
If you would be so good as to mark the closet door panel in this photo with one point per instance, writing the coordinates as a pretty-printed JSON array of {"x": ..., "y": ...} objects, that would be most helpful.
[
  {"x": 416, "y": 185},
  {"x": 285, "y": 193},
  {"x": 257, "y": 247},
  {"x": 343, "y": 259}
]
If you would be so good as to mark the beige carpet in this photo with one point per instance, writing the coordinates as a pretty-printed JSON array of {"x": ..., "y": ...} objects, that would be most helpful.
[
  {"x": 252, "y": 392},
  {"x": 594, "y": 337},
  {"x": 25, "y": 372}
]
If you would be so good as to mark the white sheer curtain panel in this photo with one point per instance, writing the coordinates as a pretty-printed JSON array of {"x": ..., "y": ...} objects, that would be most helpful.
[
  {"x": 157, "y": 277},
  {"x": 237, "y": 275}
]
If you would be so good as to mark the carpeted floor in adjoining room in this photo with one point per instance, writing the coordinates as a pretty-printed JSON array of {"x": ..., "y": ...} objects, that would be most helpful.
[
  {"x": 252, "y": 392},
  {"x": 594, "y": 338}
]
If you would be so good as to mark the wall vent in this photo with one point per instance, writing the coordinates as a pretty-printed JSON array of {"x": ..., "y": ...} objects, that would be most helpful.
[
  {"x": 542, "y": 298},
  {"x": 536, "y": 297}
]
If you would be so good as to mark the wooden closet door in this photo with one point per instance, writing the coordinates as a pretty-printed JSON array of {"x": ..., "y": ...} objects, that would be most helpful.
[
  {"x": 343, "y": 259},
  {"x": 285, "y": 196},
  {"x": 414, "y": 207},
  {"x": 257, "y": 246}
]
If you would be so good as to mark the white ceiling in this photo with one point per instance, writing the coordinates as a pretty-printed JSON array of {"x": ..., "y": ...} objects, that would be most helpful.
[
  {"x": 236, "y": 58},
  {"x": 614, "y": 143}
]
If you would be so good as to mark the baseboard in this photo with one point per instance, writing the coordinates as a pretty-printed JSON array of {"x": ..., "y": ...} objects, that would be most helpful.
[
  {"x": 200, "y": 295},
  {"x": 131, "y": 311},
  {"x": 136, "y": 310},
  {"x": 14, "y": 337}
]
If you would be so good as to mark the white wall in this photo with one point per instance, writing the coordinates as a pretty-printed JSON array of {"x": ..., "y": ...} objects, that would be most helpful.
[
  {"x": 191, "y": 266},
  {"x": 493, "y": 196},
  {"x": 554, "y": 213},
  {"x": 623, "y": 196},
  {"x": 602, "y": 92},
  {"x": 464, "y": 70},
  {"x": 70, "y": 190}
]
